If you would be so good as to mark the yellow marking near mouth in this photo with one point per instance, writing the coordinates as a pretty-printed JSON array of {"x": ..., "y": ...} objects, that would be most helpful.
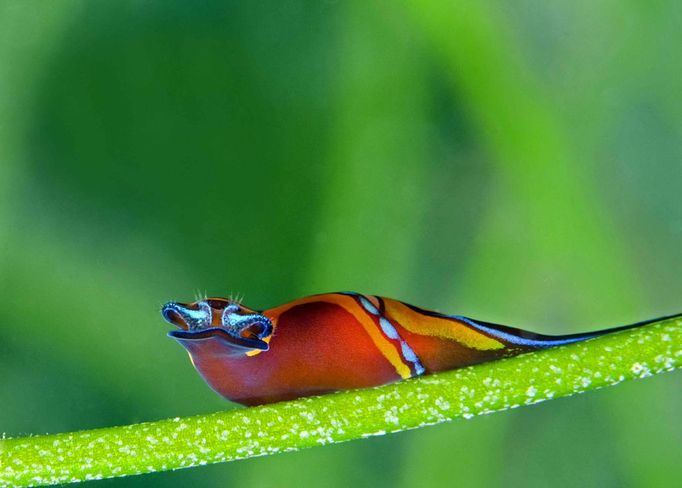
[{"x": 255, "y": 352}]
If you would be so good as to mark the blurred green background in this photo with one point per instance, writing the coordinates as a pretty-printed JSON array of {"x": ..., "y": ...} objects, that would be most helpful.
[{"x": 514, "y": 161}]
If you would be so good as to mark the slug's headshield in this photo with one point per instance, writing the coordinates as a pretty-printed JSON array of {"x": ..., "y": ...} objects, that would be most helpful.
[{"x": 218, "y": 327}]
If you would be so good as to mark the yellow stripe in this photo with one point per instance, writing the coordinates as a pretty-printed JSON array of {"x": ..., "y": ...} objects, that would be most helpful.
[
  {"x": 349, "y": 304},
  {"x": 439, "y": 327}
]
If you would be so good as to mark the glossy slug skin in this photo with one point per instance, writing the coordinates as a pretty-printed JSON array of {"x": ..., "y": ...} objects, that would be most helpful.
[{"x": 335, "y": 341}]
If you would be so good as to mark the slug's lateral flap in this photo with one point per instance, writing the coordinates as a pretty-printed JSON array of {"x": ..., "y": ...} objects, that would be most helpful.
[{"x": 216, "y": 342}]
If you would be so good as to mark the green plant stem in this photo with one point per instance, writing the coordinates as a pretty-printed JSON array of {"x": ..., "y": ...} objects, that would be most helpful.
[{"x": 243, "y": 433}]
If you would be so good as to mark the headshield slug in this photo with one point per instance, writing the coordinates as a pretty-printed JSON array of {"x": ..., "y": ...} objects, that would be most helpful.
[{"x": 336, "y": 341}]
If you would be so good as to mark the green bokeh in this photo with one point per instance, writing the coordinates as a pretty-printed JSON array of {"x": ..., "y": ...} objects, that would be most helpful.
[{"x": 517, "y": 162}]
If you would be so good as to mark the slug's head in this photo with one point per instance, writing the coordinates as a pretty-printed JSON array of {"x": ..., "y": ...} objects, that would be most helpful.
[{"x": 217, "y": 326}]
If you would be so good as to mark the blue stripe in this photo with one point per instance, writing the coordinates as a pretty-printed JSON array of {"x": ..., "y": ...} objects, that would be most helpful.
[{"x": 521, "y": 341}]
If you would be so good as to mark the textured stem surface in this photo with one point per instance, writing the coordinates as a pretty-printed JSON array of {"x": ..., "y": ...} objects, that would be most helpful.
[{"x": 242, "y": 433}]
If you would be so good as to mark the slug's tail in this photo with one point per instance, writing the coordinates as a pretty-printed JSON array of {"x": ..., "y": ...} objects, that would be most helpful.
[{"x": 522, "y": 338}]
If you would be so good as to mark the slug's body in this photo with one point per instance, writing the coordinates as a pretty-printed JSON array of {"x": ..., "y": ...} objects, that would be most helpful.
[{"x": 335, "y": 341}]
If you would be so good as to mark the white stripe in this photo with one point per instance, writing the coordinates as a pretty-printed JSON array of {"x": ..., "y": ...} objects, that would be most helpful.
[
  {"x": 368, "y": 305},
  {"x": 388, "y": 329}
]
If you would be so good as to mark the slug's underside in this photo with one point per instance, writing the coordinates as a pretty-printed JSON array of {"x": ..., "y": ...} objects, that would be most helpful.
[{"x": 335, "y": 341}]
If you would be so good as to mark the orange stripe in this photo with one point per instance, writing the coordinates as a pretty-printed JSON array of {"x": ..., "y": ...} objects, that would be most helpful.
[
  {"x": 439, "y": 327},
  {"x": 350, "y": 305}
]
